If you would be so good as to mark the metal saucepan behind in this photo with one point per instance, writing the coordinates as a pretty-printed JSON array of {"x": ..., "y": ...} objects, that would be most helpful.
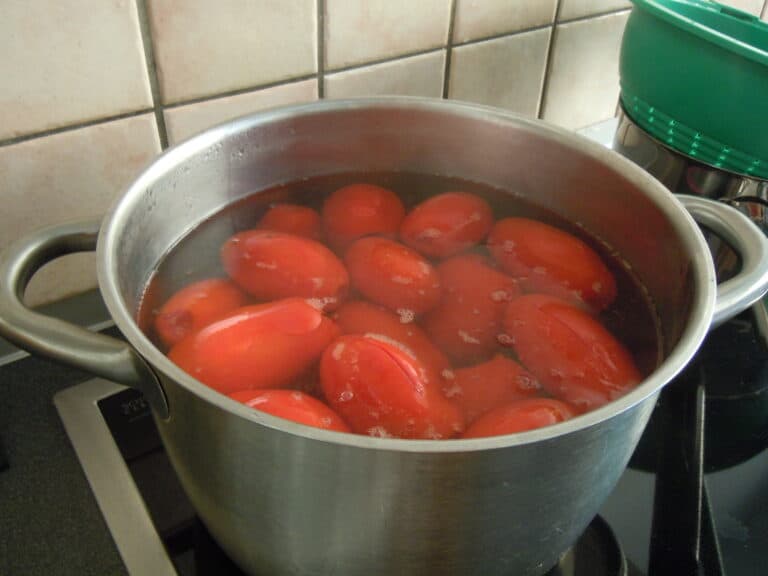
[{"x": 286, "y": 499}]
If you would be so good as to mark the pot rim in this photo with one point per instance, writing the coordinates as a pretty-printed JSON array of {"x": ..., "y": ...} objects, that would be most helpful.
[{"x": 702, "y": 270}]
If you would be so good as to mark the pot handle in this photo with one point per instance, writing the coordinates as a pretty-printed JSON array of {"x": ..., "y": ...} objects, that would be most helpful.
[
  {"x": 747, "y": 240},
  {"x": 102, "y": 355}
]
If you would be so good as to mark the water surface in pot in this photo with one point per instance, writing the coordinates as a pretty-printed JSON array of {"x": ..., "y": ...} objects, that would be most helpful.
[{"x": 631, "y": 318}]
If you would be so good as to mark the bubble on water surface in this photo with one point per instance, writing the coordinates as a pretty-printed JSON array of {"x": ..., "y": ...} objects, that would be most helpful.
[
  {"x": 505, "y": 339},
  {"x": 468, "y": 338},
  {"x": 406, "y": 316},
  {"x": 453, "y": 391},
  {"x": 404, "y": 280},
  {"x": 337, "y": 351},
  {"x": 379, "y": 432}
]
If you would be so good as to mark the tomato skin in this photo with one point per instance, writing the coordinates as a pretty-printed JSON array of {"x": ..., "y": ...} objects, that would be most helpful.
[
  {"x": 446, "y": 224},
  {"x": 380, "y": 390},
  {"x": 257, "y": 346},
  {"x": 272, "y": 265},
  {"x": 466, "y": 323},
  {"x": 195, "y": 306},
  {"x": 480, "y": 388},
  {"x": 574, "y": 357},
  {"x": 292, "y": 405},
  {"x": 393, "y": 275},
  {"x": 292, "y": 219},
  {"x": 548, "y": 260},
  {"x": 519, "y": 416},
  {"x": 364, "y": 318},
  {"x": 360, "y": 210}
]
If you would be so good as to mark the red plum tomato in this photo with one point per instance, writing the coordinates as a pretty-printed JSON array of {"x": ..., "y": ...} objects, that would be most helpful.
[
  {"x": 368, "y": 319},
  {"x": 360, "y": 210},
  {"x": 393, "y": 275},
  {"x": 195, "y": 306},
  {"x": 292, "y": 219},
  {"x": 467, "y": 322},
  {"x": 519, "y": 416},
  {"x": 548, "y": 260},
  {"x": 258, "y": 346},
  {"x": 381, "y": 390},
  {"x": 480, "y": 388},
  {"x": 273, "y": 265},
  {"x": 446, "y": 224},
  {"x": 574, "y": 357},
  {"x": 292, "y": 405}
]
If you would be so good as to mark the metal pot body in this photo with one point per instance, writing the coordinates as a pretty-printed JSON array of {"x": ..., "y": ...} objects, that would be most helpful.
[
  {"x": 283, "y": 504},
  {"x": 285, "y": 499}
]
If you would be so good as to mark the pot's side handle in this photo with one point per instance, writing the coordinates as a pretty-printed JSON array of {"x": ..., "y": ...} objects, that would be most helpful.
[
  {"x": 749, "y": 242},
  {"x": 53, "y": 338}
]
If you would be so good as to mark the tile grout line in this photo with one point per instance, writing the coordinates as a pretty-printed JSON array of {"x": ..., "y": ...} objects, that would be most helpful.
[
  {"x": 239, "y": 91},
  {"x": 548, "y": 62},
  {"x": 154, "y": 84},
  {"x": 591, "y": 16},
  {"x": 502, "y": 35},
  {"x": 449, "y": 48},
  {"x": 320, "y": 44},
  {"x": 387, "y": 60},
  {"x": 72, "y": 127}
]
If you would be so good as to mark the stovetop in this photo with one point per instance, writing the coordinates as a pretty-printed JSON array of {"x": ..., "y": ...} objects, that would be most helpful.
[
  {"x": 154, "y": 525},
  {"x": 693, "y": 501}
]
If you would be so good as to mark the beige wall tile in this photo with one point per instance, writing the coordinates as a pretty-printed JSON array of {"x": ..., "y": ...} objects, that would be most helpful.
[
  {"x": 506, "y": 72},
  {"x": 578, "y": 8},
  {"x": 360, "y": 31},
  {"x": 203, "y": 48},
  {"x": 72, "y": 175},
  {"x": 68, "y": 61},
  {"x": 184, "y": 121},
  {"x": 480, "y": 18},
  {"x": 416, "y": 76},
  {"x": 583, "y": 83},
  {"x": 754, "y": 7}
]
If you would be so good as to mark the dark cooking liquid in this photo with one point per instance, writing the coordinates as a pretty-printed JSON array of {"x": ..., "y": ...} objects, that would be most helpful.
[{"x": 631, "y": 318}]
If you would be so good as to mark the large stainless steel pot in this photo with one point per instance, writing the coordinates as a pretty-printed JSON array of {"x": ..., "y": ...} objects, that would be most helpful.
[{"x": 284, "y": 499}]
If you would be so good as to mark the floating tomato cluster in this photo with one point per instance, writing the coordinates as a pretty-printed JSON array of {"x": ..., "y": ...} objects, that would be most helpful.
[{"x": 436, "y": 323}]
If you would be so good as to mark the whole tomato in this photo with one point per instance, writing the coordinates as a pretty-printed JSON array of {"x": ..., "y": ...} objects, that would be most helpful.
[
  {"x": 368, "y": 319},
  {"x": 360, "y": 210},
  {"x": 393, "y": 275},
  {"x": 466, "y": 323},
  {"x": 259, "y": 346},
  {"x": 446, "y": 224},
  {"x": 574, "y": 357},
  {"x": 548, "y": 260},
  {"x": 292, "y": 405},
  {"x": 292, "y": 219},
  {"x": 519, "y": 416},
  {"x": 272, "y": 265},
  {"x": 195, "y": 306},
  {"x": 483, "y": 387},
  {"x": 380, "y": 390}
]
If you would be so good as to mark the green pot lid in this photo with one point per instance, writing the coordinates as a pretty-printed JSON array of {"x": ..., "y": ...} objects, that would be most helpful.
[{"x": 694, "y": 74}]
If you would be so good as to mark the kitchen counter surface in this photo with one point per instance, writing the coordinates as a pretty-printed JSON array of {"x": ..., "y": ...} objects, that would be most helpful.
[{"x": 49, "y": 520}]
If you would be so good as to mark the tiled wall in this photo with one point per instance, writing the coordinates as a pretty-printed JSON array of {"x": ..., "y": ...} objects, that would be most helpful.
[{"x": 92, "y": 90}]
